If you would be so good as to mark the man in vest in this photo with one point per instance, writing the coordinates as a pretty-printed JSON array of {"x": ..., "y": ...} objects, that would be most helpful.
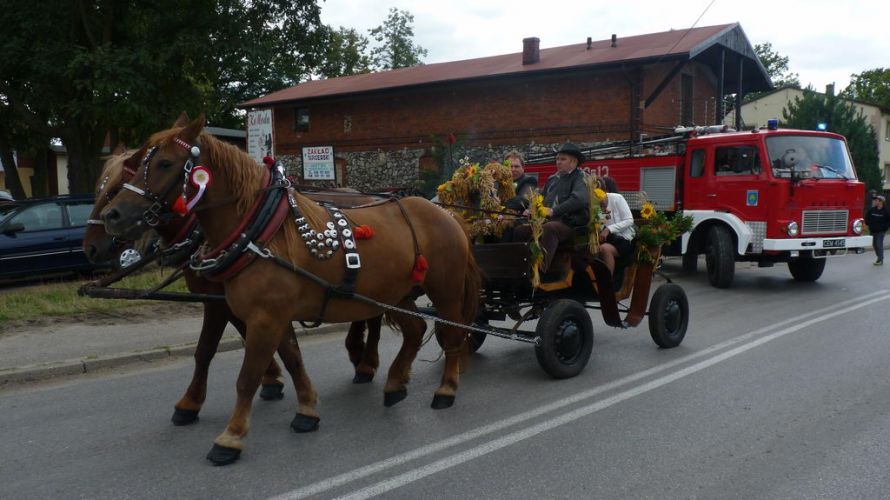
[{"x": 522, "y": 182}]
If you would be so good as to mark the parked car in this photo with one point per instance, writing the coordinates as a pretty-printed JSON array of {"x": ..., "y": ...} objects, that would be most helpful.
[{"x": 40, "y": 236}]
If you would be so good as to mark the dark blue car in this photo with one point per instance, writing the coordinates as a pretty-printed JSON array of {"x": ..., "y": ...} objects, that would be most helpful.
[{"x": 43, "y": 236}]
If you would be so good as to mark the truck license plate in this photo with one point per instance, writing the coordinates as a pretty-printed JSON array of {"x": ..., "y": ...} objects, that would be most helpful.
[{"x": 834, "y": 243}]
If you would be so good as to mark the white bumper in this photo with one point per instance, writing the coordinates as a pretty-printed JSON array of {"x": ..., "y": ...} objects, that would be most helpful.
[{"x": 826, "y": 243}]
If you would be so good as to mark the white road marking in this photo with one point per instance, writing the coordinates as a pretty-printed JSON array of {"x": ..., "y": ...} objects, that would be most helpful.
[{"x": 757, "y": 337}]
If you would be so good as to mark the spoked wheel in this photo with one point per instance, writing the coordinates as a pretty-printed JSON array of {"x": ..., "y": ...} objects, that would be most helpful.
[
  {"x": 668, "y": 315},
  {"x": 566, "y": 339}
]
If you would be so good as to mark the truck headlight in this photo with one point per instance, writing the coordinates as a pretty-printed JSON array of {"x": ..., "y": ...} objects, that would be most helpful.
[
  {"x": 857, "y": 226},
  {"x": 792, "y": 228}
]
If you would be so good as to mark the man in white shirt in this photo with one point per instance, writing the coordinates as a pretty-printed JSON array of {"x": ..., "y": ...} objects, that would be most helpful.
[{"x": 617, "y": 234}]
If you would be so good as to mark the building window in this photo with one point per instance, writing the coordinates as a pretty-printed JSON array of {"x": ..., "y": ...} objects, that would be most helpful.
[
  {"x": 301, "y": 120},
  {"x": 739, "y": 160},
  {"x": 887, "y": 131},
  {"x": 686, "y": 100}
]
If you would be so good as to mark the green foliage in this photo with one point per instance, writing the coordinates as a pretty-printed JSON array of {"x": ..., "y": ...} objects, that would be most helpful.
[
  {"x": 396, "y": 49},
  {"x": 842, "y": 118},
  {"x": 85, "y": 70},
  {"x": 776, "y": 67},
  {"x": 659, "y": 230},
  {"x": 872, "y": 86},
  {"x": 346, "y": 53}
]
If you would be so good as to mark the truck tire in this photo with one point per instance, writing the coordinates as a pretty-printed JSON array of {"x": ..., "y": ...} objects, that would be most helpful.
[
  {"x": 566, "y": 338},
  {"x": 719, "y": 257},
  {"x": 690, "y": 261},
  {"x": 668, "y": 315},
  {"x": 806, "y": 269}
]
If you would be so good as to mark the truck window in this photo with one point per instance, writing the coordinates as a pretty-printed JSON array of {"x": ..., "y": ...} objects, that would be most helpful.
[
  {"x": 697, "y": 163},
  {"x": 736, "y": 160},
  {"x": 809, "y": 156}
]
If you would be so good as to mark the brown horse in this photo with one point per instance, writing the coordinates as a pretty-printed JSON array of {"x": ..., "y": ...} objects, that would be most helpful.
[
  {"x": 266, "y": 296},
  {"x": 100, "y": 246}
]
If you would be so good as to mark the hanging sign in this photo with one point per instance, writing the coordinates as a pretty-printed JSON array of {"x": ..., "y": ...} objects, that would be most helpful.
[{"x": 318, "y": 163}]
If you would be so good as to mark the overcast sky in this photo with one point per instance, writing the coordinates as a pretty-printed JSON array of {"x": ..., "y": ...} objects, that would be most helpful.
[{"x": 825, "y": 41}]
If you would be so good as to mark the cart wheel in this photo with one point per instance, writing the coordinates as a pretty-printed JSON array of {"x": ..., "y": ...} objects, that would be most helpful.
[
  {"x": 668, "y": 315},
  {"x": 566, "y": 339}
]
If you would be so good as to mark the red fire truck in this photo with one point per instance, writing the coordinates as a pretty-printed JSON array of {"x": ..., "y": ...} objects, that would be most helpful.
[{"x": 766, "y": 196}]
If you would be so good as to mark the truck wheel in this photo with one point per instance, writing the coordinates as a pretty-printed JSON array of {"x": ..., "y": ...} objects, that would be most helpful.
[
  {"x": 566, "y": 339},
  {"x": 720, "y": 257},
  {"x": 806, "y": 269},
  {"x": 668, "y": 315},
  {"x": 690, "y": 261}
]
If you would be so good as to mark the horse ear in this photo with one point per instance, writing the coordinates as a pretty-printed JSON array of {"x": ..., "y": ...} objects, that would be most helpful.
[
  {"x": 182, "y": 121},
  {"x": 132, "y": 161},
  {"x": 193, "y": 129}
]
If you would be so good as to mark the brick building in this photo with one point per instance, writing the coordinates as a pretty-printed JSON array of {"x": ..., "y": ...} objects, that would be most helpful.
[{"x": 387, "y": 127}]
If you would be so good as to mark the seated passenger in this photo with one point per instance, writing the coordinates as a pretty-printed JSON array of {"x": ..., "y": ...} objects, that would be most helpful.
[
  {"x": 522, "y": 183},
  {"x": 616, "y": 237},
  {"x": 567, "y": 203}
]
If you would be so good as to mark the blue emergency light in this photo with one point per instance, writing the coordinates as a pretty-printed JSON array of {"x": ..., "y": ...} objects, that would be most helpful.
[
  {"x": 772, "y": 124},
  {"x": 821, "y": 125}
]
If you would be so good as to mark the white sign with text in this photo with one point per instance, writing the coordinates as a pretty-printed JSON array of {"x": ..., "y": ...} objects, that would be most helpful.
[
  {"x": 260, "y": 141},
  {"x": 318, "y": 163}
]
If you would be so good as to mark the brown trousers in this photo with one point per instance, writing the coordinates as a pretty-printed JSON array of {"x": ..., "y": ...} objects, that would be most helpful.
[{"x": 555, "y": 232}]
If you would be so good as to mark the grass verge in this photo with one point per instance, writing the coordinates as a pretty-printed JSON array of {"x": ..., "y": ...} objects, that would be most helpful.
[{"x": 61, "y": 299}]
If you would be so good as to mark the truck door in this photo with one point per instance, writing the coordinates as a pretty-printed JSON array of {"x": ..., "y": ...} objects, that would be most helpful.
[
  {"x": 696, "y": 189},
  {"x": 736, "y": 181}
]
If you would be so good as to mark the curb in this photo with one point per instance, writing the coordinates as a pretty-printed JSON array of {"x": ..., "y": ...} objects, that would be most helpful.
[{"x": 91, "y": 364}]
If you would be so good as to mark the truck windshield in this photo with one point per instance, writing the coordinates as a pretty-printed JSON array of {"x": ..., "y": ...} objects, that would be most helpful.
[{"x": 809, "y": 157}]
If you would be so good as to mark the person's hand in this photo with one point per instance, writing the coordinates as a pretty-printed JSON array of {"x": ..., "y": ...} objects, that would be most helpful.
[
  {"x": 604, "y": 234},
  {"x": 526, "y": 212}
]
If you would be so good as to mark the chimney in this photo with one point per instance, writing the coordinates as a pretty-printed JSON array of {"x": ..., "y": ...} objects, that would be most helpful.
[
  {"x": 531, "y": 50},
  {"x": 614, "y": 40},
  {"x": 829, "y": 89},
  {"x": 589, "y": 43}
]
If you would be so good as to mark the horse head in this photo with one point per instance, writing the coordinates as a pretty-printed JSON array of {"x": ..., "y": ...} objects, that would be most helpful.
[
  {"x": 98, "y": 245},
  {"x": 159, "y": 184}
]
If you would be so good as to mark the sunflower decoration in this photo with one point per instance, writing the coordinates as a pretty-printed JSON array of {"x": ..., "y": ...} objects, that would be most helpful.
[
  {"x": 536, "y": 219},
  {"x": 478, "y": 194},
  {"x": 595, "y": 223},
  {"x": 656, "y": 230}
]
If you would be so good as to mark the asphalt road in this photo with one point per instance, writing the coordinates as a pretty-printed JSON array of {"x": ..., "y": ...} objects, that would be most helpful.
[{"x": 779, "y": 391}]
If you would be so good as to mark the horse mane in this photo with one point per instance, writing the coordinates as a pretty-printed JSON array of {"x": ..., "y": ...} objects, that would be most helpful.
[{"x": 113, "y": 171}]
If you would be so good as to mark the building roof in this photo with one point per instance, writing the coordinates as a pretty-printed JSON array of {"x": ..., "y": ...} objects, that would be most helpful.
[{"x": 704, "y": 44}]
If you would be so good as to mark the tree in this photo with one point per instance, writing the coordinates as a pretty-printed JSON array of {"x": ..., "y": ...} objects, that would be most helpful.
[
  {"x": 776, "y": 66},
  {"x": 346, "y": 53},
  {"x": 871, "y": 86},
  {"x": 397, "y": 49},
  {"x": 841, "y": 117},
  {"x": 115, "y": 70}
]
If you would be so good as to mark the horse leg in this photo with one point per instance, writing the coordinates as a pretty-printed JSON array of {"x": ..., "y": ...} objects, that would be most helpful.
[
  {"x": 272, "y": 388},
  {"x": 412, "y": 329},
  {"x": 264, "y": 334},
  {"x": 370, "y": 360},
  {"x": 307, "y": 418},
  {"x": 453, "y": 341},
  {"x": 355, "y": 347},
  {"x": 186, "y": 409}
]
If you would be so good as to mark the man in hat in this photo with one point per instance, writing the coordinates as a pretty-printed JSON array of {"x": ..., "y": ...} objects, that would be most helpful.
[{"x": 567, "y": 203}]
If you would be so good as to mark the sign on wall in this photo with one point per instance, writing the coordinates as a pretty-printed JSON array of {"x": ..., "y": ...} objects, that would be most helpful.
[
  {"x": 260, "y": 141},
  {"x": 318, "y": 163}
]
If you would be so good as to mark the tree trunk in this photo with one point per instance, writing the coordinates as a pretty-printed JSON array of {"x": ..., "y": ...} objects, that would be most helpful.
[
  {"x": 13, "y": 182},
  {"x": 40, "y": 179}
]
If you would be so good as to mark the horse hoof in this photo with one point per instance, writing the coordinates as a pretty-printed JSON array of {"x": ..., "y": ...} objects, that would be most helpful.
[
  {"x": 362, "y": 378},
  {"x": 184, "y": 417},
  {"x": 304, "y": 423},
  {"x": 391, "y": 398},
  {"x": 223, "y": 455},
  {"x": 272, "y": 392},
  {"x": 440, "y": 402}
]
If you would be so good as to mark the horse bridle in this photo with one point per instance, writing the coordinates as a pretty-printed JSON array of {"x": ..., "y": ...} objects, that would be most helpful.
[{"x": 153, "y": 214}]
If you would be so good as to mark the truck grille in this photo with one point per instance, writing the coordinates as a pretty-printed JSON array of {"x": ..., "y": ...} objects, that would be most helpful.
[{"x": 824, "y": 221}]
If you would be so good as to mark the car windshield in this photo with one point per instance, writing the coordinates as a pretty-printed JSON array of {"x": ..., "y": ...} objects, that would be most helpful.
[{"x": 809, "y": 157}]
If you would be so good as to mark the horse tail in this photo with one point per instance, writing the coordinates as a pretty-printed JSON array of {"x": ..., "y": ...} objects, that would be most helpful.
[{"x": 472, "y": 286}]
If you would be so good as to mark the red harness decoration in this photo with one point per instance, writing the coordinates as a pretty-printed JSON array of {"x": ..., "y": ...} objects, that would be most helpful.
[
  {"x": 420, "y": 268},
  {"x": 363, "y": 232}
]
